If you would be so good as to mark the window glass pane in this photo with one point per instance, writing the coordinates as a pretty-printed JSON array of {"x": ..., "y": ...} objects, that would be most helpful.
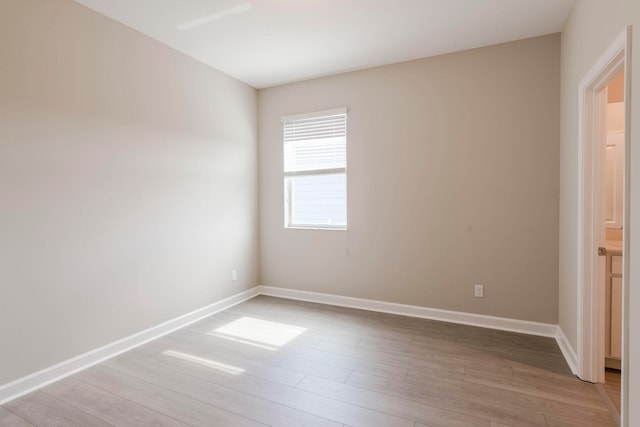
[
  {"x": 318, "y": 200},
  {"x": 315, "y": 154}
]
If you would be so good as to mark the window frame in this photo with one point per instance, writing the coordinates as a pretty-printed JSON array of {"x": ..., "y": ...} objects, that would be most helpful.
[{"x": 288, "y": 197}]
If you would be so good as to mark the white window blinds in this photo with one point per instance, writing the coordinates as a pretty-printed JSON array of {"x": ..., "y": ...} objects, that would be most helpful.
[{"x": 315, "y": 143}]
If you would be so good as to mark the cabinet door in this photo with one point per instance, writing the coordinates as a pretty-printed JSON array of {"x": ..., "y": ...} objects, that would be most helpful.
[{"x": 616, "y": 317}]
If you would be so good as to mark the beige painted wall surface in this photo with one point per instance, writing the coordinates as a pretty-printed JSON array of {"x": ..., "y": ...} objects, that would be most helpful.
[
  {"x": 590, "y": 30},
  {"x": 128, "y": 184},
  {"x": 453, "y": 181}
]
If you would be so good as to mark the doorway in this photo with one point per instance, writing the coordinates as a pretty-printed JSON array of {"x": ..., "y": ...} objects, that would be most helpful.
[
  {"x": 613, "y": 224},
  {"x": 603, "y": 240}
]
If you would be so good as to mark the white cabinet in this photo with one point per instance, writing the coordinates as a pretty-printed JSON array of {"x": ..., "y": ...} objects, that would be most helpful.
[
  {"x": 616, "y": 317},
  {"x": 613, "y": 312}
]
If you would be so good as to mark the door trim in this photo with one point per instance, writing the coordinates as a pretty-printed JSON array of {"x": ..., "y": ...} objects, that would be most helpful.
[{"x": 590, "y": 215}]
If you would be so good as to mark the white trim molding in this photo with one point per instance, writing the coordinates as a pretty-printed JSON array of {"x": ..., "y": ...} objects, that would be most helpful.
[
  {"x": 590, "y": 316},
  {"x": 483, "y": 321},
  {"x": 478, "y": 320},
  {"x": 591, "y": 232},
  {"x": 567, "y": 351},
  {"x": 302, "y": 116},
  {"x": 54, "y": 373}
]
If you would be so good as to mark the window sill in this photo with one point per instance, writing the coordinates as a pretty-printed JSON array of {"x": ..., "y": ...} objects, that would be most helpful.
[{"x": 313, "y": 227}]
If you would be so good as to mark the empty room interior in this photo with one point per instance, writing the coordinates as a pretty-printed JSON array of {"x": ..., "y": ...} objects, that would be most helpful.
[{"x": 319, "y": 213}]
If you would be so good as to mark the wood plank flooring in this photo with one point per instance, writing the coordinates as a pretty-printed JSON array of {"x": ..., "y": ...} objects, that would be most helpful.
[
  {"x": 277, "y": 362},
  {"x": 611, "y": 391},
  {"x": 612, "y": 384}
]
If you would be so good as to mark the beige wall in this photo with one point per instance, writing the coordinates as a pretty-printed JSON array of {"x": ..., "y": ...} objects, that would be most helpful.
[
  {"x": 453, "y": 181},
  {"x": 128, "y": 183},
  {"x": 590, "y": 30}
]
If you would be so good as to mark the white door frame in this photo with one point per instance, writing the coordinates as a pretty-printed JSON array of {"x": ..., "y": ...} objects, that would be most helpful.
[{"x": 592, "y": 100}]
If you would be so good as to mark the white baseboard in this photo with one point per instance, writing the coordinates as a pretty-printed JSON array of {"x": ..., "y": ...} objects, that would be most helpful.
[
  {"x": 567, "y": 351},
  {"x": 491, "y": 322},
  {"x": 54, "y": 373}
]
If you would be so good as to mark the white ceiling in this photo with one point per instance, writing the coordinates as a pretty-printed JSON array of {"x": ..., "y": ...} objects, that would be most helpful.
[{"x": 270, "y": 42}]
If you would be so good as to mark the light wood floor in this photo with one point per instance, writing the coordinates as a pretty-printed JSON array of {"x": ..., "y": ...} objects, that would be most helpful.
[
  {"x": 344, "y": 367},
  {"x": 612, "y": 385}
]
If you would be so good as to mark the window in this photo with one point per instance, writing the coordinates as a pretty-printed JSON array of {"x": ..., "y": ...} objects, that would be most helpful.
[{"x": 315, "y": 170}]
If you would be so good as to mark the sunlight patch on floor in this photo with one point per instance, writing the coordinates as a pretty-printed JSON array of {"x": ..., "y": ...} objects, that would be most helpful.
[
  {"x": 241, "y": 341},
  {"x": 229, "y": 369},
  {"x": 261, "y": 333}
]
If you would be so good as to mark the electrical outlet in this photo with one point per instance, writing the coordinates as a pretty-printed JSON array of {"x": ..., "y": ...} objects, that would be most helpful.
[
  {"x": 478, "y": 291},
  {"x": 234, "y": 275}
]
